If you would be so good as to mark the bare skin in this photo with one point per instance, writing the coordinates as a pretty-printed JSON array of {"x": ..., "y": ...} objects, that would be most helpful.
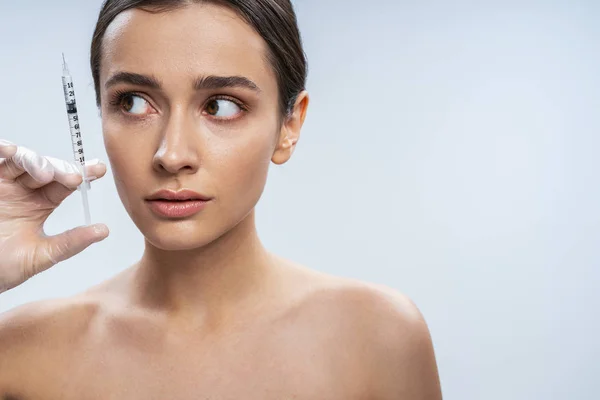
[
  {"x": 305, "y": 336},
  {"x": 208, "y": 312}
]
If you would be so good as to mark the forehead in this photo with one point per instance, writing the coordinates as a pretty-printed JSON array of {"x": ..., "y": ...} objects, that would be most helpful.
[{"x": 195, "y": 40}]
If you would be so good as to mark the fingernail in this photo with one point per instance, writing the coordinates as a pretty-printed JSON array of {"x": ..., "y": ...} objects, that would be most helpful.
[{"x": 100, "y": 230}]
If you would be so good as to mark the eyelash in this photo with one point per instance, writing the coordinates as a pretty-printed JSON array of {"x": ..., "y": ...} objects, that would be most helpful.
[{"x": 119, "y": 95}]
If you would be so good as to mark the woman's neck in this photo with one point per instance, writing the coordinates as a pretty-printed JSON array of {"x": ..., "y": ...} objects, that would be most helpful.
[{"x": 204, "y": 284}]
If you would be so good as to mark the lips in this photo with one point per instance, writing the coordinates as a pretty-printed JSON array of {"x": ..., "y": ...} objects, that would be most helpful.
[
  {"x": 180, "y": 204},
  {"x": 181, "y": 195}
]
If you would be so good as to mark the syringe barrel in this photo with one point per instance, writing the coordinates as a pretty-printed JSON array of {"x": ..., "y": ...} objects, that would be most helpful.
[
  {"x": 71, "y": 104},
  {"x": 76, "y": 141}
]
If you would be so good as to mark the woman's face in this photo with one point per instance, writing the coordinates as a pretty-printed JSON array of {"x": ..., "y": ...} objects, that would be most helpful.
[{"x": 171, "y": 120}]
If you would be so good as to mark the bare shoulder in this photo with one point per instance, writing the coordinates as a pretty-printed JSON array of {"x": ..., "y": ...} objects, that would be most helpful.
[
  {"x": 379, "y": 328},
  {"x": 366, "y": 304},
  {"x": 399, "y": 347},
  {"x": 31, "y": 332},
  {"x": 32, "y": 321}
]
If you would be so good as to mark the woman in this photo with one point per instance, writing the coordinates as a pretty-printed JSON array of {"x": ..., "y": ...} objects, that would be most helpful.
[{"x": 197, "y": 99}]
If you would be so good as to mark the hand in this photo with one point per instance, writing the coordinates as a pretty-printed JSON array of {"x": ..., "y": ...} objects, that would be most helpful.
[{"x": 31, "y": 187}]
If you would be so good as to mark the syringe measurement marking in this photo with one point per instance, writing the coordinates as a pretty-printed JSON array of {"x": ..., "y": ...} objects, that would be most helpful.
[
  {"x": 76, "y": 137},
  {"x": 76, "y": 141},
  {"x": 69, "y": 92}
]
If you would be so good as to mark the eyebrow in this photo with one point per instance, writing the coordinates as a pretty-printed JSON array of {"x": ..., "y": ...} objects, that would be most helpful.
[{"x": 202, "y": 83}]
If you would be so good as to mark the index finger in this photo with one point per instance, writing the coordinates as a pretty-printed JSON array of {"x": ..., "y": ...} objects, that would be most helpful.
[{"x": 26, "y": 161}]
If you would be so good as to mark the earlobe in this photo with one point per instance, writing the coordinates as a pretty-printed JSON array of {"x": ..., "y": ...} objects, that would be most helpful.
[
  {"x": 284, "y": 149},
  {"x": 290, "y": 130}
]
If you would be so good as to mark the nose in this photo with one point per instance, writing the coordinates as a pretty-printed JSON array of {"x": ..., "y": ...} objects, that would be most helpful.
[{"x": 178, "y": 150}]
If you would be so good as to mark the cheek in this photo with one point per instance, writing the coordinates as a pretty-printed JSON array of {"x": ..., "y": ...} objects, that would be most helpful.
[
  {"x": 124, "y": 166},
  {"x": 244, "y": 171}
]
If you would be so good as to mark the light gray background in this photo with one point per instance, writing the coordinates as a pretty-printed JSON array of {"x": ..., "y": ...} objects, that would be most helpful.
[{"x": 450, "y": 152}]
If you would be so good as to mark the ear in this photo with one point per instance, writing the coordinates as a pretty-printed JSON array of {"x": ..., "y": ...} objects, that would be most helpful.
[{"x": 290, "y": 130}]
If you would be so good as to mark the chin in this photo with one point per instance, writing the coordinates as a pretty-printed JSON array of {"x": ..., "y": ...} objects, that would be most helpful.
[{"x": 177, "y": 237}]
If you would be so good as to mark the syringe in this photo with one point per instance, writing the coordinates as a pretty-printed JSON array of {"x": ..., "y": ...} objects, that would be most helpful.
[{"x": 76, "y": 137}]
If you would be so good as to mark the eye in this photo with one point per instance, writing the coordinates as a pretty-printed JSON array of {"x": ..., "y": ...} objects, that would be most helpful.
[
  {"x": 223, "y": 108},
  {"x": 133, "y": 104}
]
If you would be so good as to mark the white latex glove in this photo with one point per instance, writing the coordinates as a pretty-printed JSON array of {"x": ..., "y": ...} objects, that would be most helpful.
[{"x": 31, "y": 187}]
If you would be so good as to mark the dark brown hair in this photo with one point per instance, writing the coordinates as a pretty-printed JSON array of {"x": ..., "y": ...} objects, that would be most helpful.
[{"x": 274, "y": 20}]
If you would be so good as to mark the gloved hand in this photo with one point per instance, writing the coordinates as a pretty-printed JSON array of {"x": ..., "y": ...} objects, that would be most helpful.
[{"x": 31, "y": 187}]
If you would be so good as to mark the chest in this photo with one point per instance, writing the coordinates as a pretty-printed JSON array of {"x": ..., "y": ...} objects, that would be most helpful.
[{"x": 262, "y": 369}]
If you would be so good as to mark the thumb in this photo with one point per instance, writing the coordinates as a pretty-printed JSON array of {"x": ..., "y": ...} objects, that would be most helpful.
[{"x": 67, "y": 244}]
